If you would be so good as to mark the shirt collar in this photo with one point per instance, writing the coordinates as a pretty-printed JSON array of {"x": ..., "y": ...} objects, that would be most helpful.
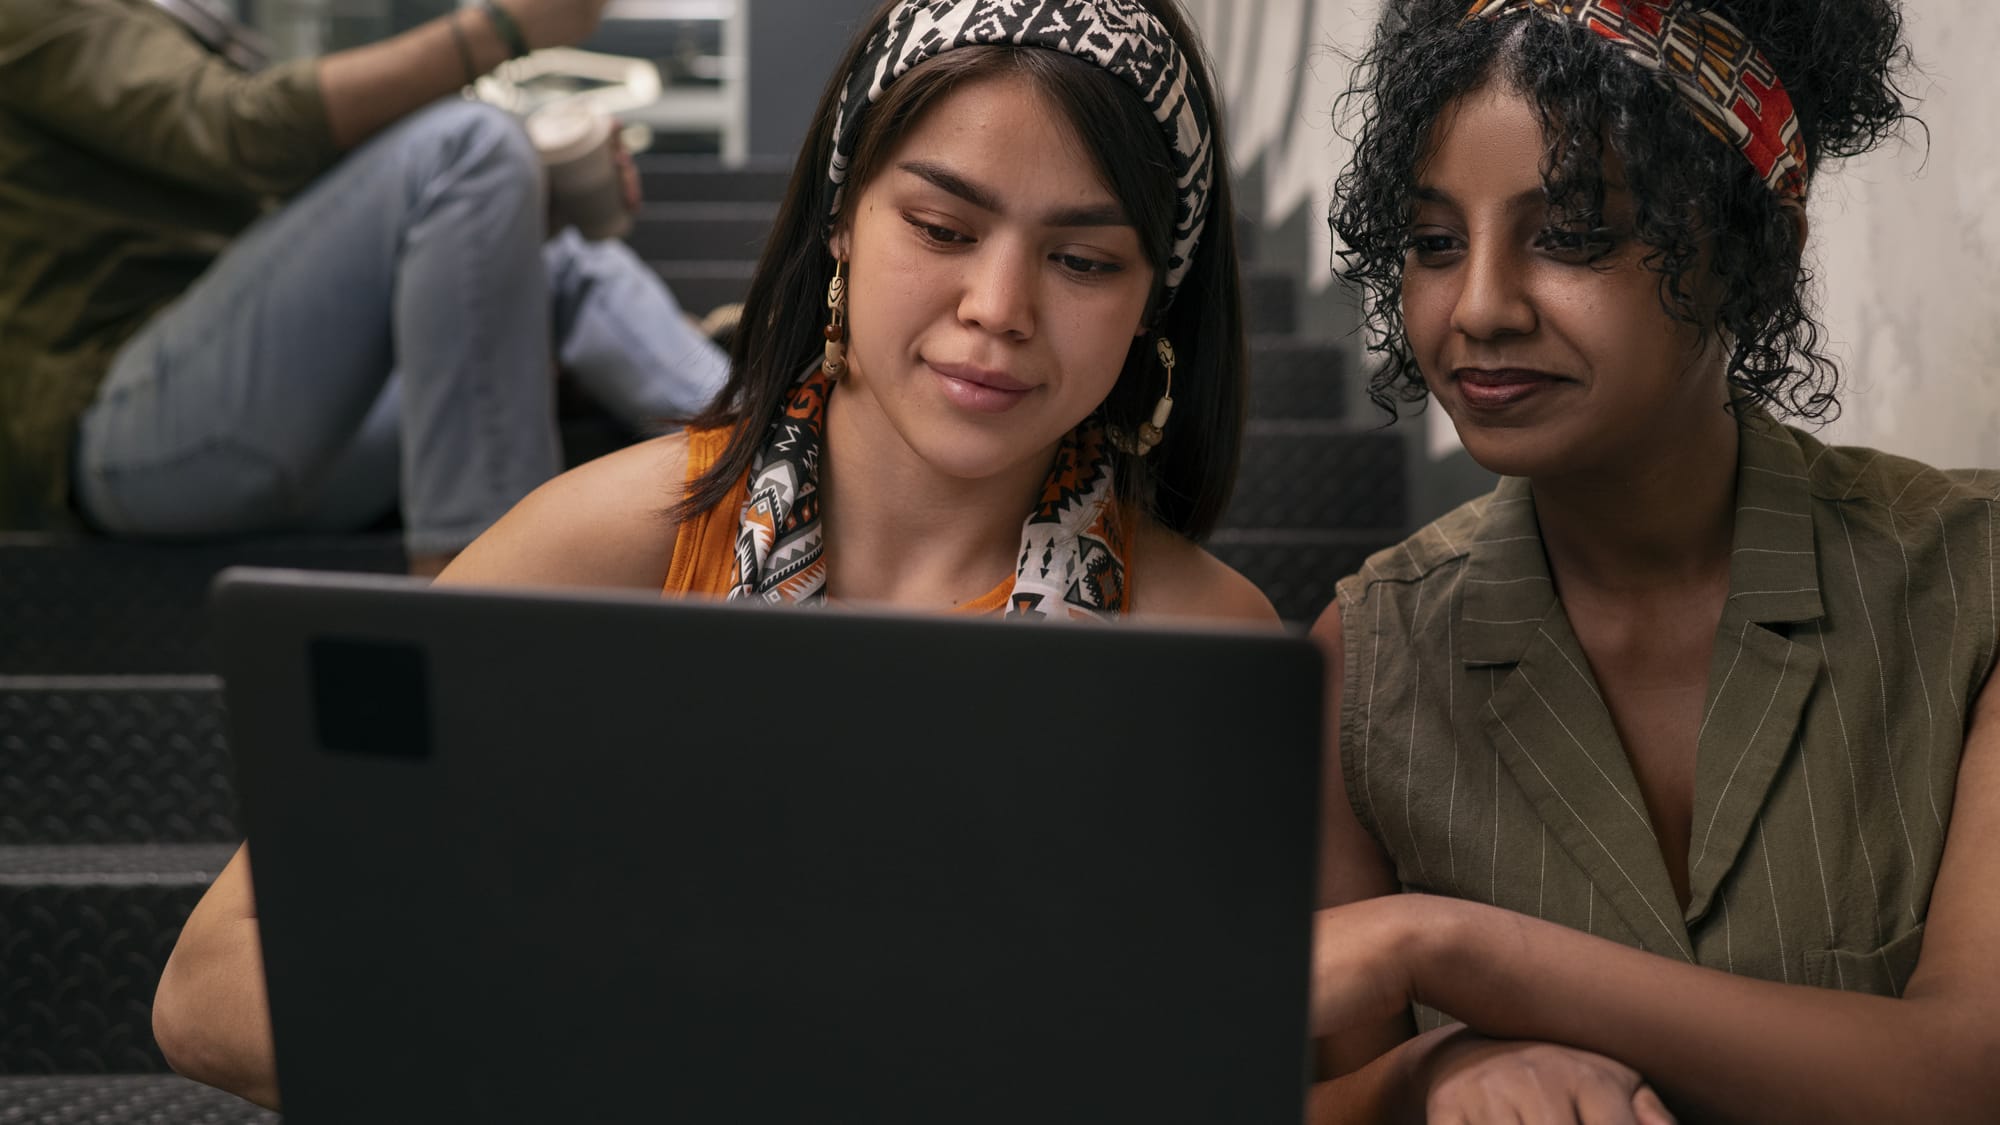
[{"x": 1773, "y": 570}]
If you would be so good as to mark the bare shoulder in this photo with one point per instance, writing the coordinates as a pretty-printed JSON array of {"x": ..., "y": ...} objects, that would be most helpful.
[
  {"x": 603, "y": 523},
  {"x": 1326, "y": 632},
  {"x": 1175, "y": 577}
]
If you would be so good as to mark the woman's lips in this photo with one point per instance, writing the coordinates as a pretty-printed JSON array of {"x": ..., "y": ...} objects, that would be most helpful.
[
  {"x": 979, "y": 389},
  {"x": 1498, "y": 388}
]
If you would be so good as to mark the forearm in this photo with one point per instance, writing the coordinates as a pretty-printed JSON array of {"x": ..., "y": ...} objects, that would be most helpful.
[
  {"x": 1730, "y": 1047},
  {"x": 211, "y": 1016},
  {"x": 366, "y": 89}
]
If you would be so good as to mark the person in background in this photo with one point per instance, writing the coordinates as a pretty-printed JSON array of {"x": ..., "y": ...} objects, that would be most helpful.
[
  {"x": 239, "y": 300},
  {"x": 1682, "y": 744}
]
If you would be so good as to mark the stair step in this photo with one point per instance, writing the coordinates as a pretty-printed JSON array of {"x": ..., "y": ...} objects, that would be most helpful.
[
  {"x": 1297, "y": 570},
  {"x": 1318, "y": 476},
  {"x": 123, "y": 1099},
  {"x": 76, "y": 605},
  {"x": 700, "y": 286},
  {"x": 79, "y": 606},
  {"x": 702, "y": 231},
  {"x": 114, "y": 760},
  {"x": 1297, "y": 380},
  {"x": 89, "y": 929},
  {"x": 687, "y": 179},
  {"x": 1270, "y": 302}
]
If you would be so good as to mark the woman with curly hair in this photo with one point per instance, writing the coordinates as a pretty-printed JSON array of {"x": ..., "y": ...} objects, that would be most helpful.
[{"x": 1678, "y": 743}]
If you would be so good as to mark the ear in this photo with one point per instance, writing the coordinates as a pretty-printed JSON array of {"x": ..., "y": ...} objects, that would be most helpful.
[{"x": 836, "y": 243}]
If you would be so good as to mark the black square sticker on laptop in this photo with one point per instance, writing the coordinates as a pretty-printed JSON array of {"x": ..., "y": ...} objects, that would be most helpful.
[{"x": 370, "y": 698}]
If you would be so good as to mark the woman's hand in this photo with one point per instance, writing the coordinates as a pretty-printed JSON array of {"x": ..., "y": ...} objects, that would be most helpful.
[{"x": 1473, "y": 1080}]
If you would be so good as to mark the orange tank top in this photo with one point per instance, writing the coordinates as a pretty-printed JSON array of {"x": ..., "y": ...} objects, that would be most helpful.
[{"x": 704, "y": 562}]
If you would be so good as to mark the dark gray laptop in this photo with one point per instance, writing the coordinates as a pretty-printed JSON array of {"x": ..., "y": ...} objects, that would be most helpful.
[{"x": 567, "y": 857}]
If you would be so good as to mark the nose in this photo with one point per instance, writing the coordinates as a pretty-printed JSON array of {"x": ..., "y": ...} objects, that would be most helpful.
[
  {"x": 1493, "y": 297},
  {"x": 999, "y": 294}
]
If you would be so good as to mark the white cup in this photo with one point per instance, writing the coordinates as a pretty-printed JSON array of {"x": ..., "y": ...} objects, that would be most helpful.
[{"x": 585, "y": 189}]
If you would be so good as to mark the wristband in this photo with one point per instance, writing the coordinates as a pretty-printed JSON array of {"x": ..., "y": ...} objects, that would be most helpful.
[{"x": 510, "y": 31}]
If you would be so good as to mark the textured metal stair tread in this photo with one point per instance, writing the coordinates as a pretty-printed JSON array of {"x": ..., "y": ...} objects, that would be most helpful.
[
  {"x": 1298, "y": 570},
  {"x": 1318, "y": 474},
  {"x": 708, "y": 211},
  {"x": 293, "y": 544},
  {"x": 1289, "y": 342},
  {"x": 702, "y": 231},
  {"x": 1314, "y": 428},
  {"x": 83, "y": 605},
  {"x": 1270, "y": 298},
  {"x": 735, "y": 269},
  {"x": 122, "y": 1099},
  {"x": 1293, "y": 378},
  {"x": 1374, "y": 538},
  {"x": 189, "y": 683},
  {"x": 111, "y": 865},
  {"x": 114, "y": 760},
  {"x": 700, "y": 285},
  {"x": 683, "y": 178},
  {"x": 89, "y": 930},
  {"x": 698, "y": 162}
]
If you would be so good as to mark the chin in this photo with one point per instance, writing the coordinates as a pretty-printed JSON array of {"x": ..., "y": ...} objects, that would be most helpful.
[
  {"x": 1516, "y": 451},
  {"x": 971, "y": 455}
]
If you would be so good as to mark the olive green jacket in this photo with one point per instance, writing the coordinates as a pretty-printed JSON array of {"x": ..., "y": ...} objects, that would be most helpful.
[
  {"x": 129, "y": 157},
  {"x": 1859, "y": 628}
]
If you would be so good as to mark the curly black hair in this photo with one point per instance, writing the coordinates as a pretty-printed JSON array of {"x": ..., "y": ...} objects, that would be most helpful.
[{"x": 1695, "y": 196}]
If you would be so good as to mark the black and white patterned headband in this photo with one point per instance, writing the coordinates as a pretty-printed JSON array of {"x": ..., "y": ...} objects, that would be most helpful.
[{"x": 1120, "y": 36}]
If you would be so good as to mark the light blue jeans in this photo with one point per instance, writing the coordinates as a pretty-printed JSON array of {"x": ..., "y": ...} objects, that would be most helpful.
[{"x": 391, "y": 333}]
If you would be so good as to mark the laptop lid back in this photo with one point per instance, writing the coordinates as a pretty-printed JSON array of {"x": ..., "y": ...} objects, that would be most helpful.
[{"x": 525, "y": 856}]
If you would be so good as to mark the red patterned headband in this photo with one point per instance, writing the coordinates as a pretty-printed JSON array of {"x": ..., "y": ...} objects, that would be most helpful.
[{"x": 1713, "y": 66}]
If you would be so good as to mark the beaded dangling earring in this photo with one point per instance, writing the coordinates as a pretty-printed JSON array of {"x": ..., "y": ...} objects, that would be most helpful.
[
  {"x": 1151, "y": 432},
  {"x": 835, "y": 364}
]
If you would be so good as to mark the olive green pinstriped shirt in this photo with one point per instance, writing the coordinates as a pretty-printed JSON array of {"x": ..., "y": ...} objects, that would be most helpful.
[
  {"x": 129, "y": 157},
  {"x": 1860, "y": 624}
]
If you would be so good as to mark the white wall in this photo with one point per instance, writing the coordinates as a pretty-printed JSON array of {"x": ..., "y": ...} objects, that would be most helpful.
[
  {"x": 1907, "y": 240},
  {"x": 1908, "y": 246},
  {"x": 1277, "y": 64}
]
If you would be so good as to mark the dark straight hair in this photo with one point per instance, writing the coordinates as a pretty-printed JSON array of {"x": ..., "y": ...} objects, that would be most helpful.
[{"x": 1187, "y": 480}]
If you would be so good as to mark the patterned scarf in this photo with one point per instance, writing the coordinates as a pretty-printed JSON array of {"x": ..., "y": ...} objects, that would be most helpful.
[
  {"x": 1119, "y": 36},
  {"x": 1069, "y": 567},
  {"x": 1713, "y": 66}
]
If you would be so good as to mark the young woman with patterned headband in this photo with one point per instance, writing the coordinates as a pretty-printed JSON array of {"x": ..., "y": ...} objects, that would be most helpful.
[
  {"x": 1004, "y": 260},
  {"x": 963, "y": 345},
  {"x": 1679, "y": 743}
]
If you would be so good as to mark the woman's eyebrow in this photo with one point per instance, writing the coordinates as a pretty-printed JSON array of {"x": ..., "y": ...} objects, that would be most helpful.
[
  {"x": 1425, "y": 193},
  {"x": 944, "y": 179}
]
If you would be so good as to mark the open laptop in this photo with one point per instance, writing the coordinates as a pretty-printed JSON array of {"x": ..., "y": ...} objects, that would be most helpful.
[{"x": 571, "y": 857}]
